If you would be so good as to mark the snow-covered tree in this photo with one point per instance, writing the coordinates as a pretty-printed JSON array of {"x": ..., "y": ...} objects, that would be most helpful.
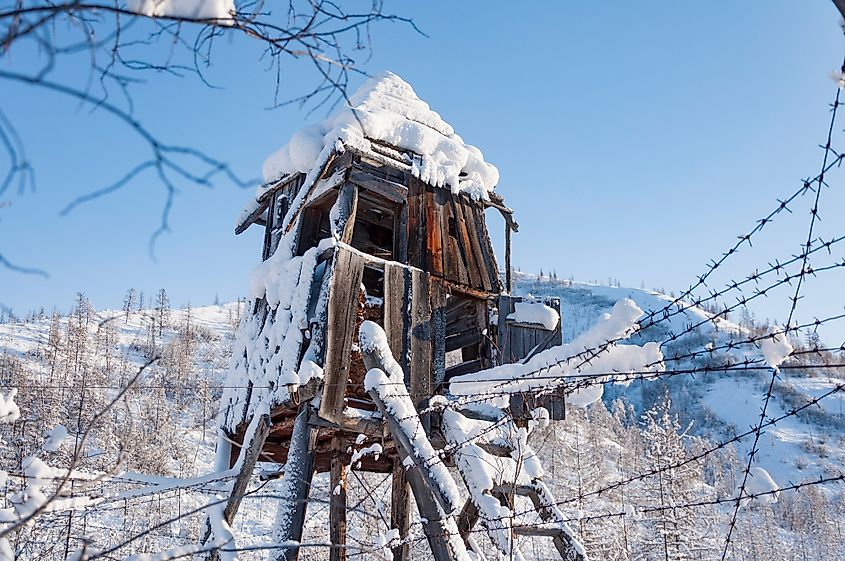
[{"x": 671, "y": 530}]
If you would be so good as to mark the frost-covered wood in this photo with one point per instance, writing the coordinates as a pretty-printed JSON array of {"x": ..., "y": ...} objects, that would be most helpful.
[
  {"x": 491, "y": 478},
  {"x": 434, "y": 490},
  {"x": 293, "y": 498},
  {"x": 348, "y": 268}
]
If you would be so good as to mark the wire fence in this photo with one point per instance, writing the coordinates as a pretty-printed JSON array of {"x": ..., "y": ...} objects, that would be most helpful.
[{"x": 791, "y": 271}]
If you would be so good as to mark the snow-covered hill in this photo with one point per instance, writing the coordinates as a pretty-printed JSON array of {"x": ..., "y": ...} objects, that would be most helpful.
[
  {"x": 165, "y": 430},
  {"x": 810, "y": 444},
  {"x": 719, "y": 404}
]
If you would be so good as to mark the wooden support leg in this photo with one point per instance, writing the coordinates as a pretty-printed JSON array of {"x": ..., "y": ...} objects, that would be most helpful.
[
  {"x": 337, "y": 500},
  {"x": 299, "y": 469},
  {"x": 247, "y": 458},
  {"x": 250, "y": 457},
  {"x": 400, "y": 510},
  {"x": 435, "y": 508}
]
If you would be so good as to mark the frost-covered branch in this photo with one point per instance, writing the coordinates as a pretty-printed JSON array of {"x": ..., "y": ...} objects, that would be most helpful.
[{"x": 35, "y": 502}]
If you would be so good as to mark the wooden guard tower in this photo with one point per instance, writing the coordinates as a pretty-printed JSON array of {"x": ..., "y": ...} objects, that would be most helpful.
[{"x": 362, "y": 239}]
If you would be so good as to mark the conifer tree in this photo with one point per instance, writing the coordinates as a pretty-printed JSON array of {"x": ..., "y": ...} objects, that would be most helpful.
[
  {"x": 161, "y": 310},
  {"x": 129, "y": 303},
  {"x": 672, "y": 530}
]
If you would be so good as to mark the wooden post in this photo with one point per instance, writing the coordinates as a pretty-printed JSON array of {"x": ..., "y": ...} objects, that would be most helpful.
[
  {"x": 507, "y": 256},
  {"x": 299, "y": 469},
  {"x": 250, "y": 454},
  {"x": 420, "y": 344},
  {"x": 432, "y": 504},
  {"x": 400, "y": 510},
  {"x": 429, "y": 500},
  {"x": 396, "y": 320},
  {"x": 347, "y": 207},
  {"x": 345, "y": 283},
  {"x": 253, "y": 451},
  {"x": 337, "y": 502}
]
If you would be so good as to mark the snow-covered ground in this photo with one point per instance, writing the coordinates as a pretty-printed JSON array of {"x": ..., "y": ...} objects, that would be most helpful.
[
  {"x": 798, "y": 448},
  {"x": 786, "y": 448}
]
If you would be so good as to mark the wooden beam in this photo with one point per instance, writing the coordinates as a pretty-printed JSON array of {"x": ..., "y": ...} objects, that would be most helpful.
[
  {"x": 346, "y": 207},
  {"x": 465, "y": 245},
  {"x": 337, "y": 502},
  {"x": 420, "y": 367},
  {"x": 400, "y": 233},
  {"x": 400, "y": 509},
  {"x": 340, "y": 327},
  {"x": 415, "y": 230},
  {"x": 437, "y": 330},
  {"x": 508, "y": 283},
  {"x": 250, "y": 454},
  {"x": 396, "y": 321},
  {"x": 296, "y": 484},
  {"x": 487, "y": 248},
  {"x": 430, "y": 502},
  {"x": 251, "y": 218},
  {"x": 391, "y": 191},
  {"x": 350, "y": 423},
  {"x": 433, "y": 506},
  {"x": 470, "y": 215},
  {"x": 433, "y": 233},
  {"x": 250, "y": 457}
]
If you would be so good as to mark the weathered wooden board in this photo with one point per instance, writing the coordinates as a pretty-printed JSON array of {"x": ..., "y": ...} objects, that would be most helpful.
[
  {"x": 416, "y": 223},
  {"x": 454, "y": 267},
  {"x": 465, "y": 248},
  {"x": 345, "y": 284},
  {"x": 437, "y": 298},
  {"x": 400, "y": 509},
  {"x": 473, "y": 229},
  {"x": 463, "y": 339},
  {"x": 434, "y": 234},
  {"x": 487, "y": 248},
  {"x": 396, "y": 320},
  {"x": 337, "y": 500},
  {"x": 420, "y": 383},
  {"x": 400, "y": 249},
  {"x": 346, "y": 207},
  {"x": 250, "y": 455},
  {"x": 388, "y": 189}
]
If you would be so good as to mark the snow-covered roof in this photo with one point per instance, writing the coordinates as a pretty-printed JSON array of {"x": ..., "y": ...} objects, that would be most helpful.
[{"x": 386, "y": 109}]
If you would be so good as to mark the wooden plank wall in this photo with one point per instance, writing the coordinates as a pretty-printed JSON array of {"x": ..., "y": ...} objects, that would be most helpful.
[
  {"x": 420, "y": 386},
  {"x": 448, "y": 237},
  {"x": 414, "y": 321},
  {"x": 515, "y": 341}
]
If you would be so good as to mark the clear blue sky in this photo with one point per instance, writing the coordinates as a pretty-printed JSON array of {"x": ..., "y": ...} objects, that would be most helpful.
[{"x": 634, "y": 139}]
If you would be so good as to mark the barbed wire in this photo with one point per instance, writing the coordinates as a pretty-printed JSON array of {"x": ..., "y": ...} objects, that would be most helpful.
[{"x": 814, "y": 215}]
